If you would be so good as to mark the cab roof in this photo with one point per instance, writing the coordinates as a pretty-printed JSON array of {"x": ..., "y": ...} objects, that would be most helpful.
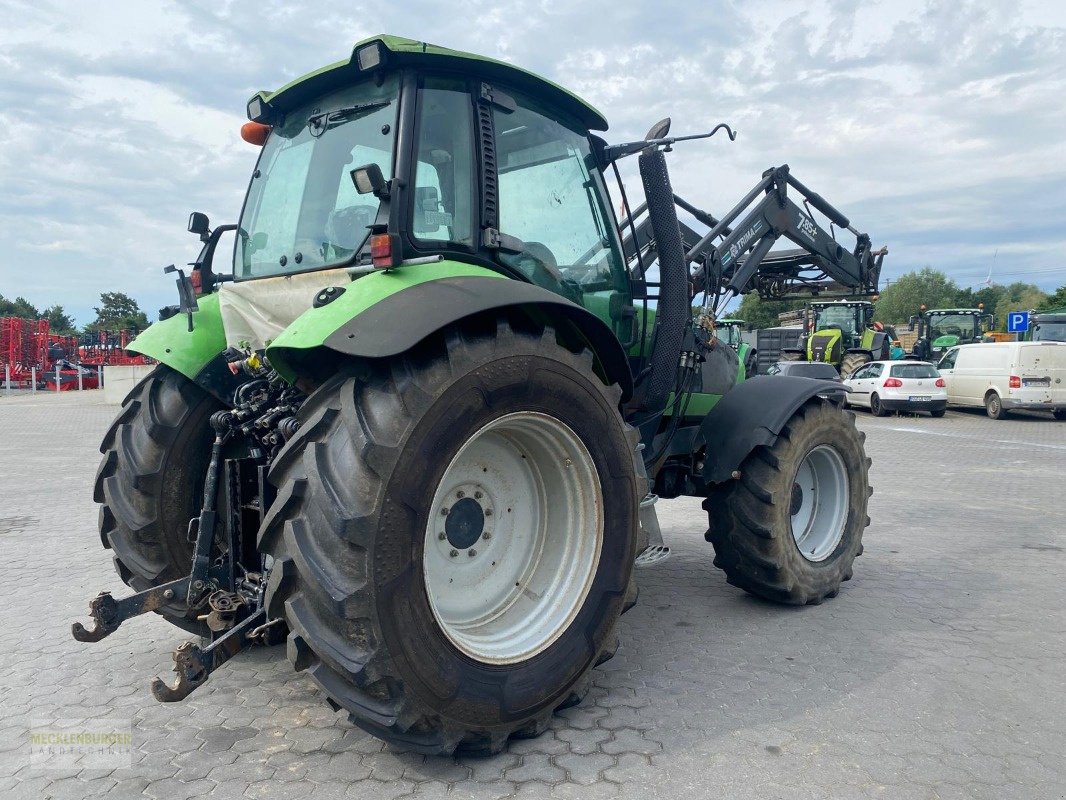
[{"x": 397, "y": 51}]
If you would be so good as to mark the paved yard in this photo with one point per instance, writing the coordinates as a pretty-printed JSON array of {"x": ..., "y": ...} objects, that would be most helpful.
[{"x": 939, "y": 671}]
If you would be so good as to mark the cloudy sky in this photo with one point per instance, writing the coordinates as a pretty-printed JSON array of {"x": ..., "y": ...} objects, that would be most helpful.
[{"x": 939, "y": 127}]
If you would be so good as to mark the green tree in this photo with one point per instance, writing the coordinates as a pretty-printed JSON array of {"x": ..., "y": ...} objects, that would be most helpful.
[
  {"x": 1018, "y": 297},
  {"x": 19, "y": 307},
  {"x": 117, "y": 311},
  {"x": 902, "y": 298},
  {"x": 761, "y": 313},
  {"x": 1056, "y": 300},
  {"x": 59, "y": 321}
]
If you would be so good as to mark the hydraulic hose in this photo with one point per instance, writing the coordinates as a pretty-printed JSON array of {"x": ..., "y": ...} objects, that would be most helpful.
[{"x": 673, "y": 310}]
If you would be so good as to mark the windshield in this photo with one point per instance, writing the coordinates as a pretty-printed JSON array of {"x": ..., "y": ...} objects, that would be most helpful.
[
  {"x": 302, "y": 210},
  {"x": 731, "y": 335},
  {"x": 914, "y": 371},
  {"x": 961, "y": 325},
  {"x": 842, "y": 317},
  {"x": 1050, "y": 332}
]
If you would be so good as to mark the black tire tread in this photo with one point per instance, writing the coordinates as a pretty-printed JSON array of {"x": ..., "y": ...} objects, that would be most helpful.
[
  {"x": 132, "y": 474},
  {"x": 752, "y": 550},
  {"x": 329, "y": 612}
]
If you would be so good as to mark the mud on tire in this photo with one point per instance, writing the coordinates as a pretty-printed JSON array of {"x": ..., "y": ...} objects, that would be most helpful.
[
  {"x": 348, "y": 534},
  {"x": 751, "y": 519},
  {"x": 150, "y": 482}
]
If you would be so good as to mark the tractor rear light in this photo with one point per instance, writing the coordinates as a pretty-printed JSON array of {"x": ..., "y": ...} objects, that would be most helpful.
[
  {"x": 939, "y": 383},
  {"x": 1015, "y": 382},
  {"x": 197, "y": 282},
  {"x": 382, "y": 252},
  {"x": 893, "y": 383}
]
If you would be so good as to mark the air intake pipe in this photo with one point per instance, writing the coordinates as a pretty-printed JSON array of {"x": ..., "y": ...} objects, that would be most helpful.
[{"x": 673, "y": 312}]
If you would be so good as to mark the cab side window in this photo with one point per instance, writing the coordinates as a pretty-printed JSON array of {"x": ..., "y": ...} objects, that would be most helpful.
[
  {"x": 444, "y": 192},
  {"x": 948, "y": 361}
]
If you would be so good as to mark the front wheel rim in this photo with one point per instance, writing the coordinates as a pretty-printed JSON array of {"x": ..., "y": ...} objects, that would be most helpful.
[
  {"x": 513, "y": 538},
  {"x": 820, "y": 503}
]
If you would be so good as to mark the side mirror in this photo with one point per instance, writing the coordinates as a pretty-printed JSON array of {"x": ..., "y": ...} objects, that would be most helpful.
[
  {"x": 200, "y": 225},
  {"x": 369, "y": 180}
]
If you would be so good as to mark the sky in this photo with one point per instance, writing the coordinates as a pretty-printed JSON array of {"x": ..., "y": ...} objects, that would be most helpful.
[{"x": 938, "y": 127}]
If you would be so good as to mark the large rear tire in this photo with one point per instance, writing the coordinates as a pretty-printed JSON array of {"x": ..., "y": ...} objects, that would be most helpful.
[
  {"x": 789, "y": 529},
  {"x": 150, "y": 483},
  {"x": 454, "y": 537}
]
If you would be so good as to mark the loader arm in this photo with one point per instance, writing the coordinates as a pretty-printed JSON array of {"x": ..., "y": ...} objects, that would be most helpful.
[{"x": 735, "y": 254}]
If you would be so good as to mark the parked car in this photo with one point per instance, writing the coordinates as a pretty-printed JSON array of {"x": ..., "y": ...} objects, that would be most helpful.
[
  {"x": 885, "y": 386},
  {"x": 809, "y": 369},
  {"x": 804, "y": 369},
  {"x": 1005, "y": 376}
]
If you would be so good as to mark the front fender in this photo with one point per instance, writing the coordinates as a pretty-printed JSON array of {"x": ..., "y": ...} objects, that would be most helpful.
[
  {"x": 387, "y": 313},
  {"x": 171, "y": 342},
  {"x": 752, "y": 414}
]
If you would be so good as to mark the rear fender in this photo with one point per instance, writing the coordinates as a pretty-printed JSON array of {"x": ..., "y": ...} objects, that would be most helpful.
[
  {"x": 387, "y": 313},
  {"x": 196, "y": 354},
  {"x": 751, "y": 415}
]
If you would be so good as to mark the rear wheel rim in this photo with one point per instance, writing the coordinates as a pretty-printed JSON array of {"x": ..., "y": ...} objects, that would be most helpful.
[
  {"x": 513, "y": 538},
  {"x": 820, "y": 502},
  {"x": 875, "y": 404}
]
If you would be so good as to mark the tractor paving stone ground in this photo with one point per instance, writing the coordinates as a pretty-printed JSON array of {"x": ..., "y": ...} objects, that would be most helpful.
[
  {"x": 936, "y": 675},
  {"x": 419, "y": 432}
]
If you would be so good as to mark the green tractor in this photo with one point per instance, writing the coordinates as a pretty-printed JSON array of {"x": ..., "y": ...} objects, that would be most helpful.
[
  {"x": 943, "y": 328},
  {"x": 842, "y": 333},
  {"x": 418, "y": 433},
  {"x": 1047, "y": 326},
  {"x": 730, "y": 331}
]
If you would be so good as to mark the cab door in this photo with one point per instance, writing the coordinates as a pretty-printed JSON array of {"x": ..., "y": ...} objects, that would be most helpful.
[{"x": 947, "y": 372}]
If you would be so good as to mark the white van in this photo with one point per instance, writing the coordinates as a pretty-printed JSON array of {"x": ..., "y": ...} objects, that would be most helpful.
[{"x": 1007, "y": 375}]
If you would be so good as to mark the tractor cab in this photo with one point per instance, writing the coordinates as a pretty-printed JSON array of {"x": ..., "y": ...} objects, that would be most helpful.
[
  {"x": 410, "y": 153},
  {"x": 851, "y": 318},
  {"x": 730, "y": 330},
  {"x": 941, "y": 329}
]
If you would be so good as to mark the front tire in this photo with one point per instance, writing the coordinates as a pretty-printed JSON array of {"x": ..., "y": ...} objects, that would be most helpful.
[
  {"x": 399, "y": 605},
  {"x": 789, "y": 529},
  {"x": 852, "y": 361}
]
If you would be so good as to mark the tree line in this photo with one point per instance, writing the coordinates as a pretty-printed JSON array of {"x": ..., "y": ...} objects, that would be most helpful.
[
  {"x": 902, "y": 298},
  {"x": 117, "y": 311}
]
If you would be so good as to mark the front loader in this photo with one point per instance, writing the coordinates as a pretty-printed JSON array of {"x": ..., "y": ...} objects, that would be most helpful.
[{"x": 419, "y": 431}]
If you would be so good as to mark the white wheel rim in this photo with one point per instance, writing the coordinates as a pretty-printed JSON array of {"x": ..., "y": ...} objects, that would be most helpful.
[
  {"x": 513, "y": 538},
  {"x": 819, "y": 503}
]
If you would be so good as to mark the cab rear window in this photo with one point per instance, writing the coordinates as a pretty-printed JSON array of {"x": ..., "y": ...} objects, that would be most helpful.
[{"x": 914, "y": 371}]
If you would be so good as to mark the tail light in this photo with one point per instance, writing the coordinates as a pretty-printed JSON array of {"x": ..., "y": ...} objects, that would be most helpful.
[
  {"x": 939, "y": 383},
  {"x": 1015, "y": 382},
  {"x": 197, "y": 282},
  {"x": 893, "y": 383},
  {"x": 382, "y": 250}
]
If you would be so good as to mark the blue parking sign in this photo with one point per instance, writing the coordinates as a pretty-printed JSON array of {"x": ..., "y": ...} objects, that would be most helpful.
[{"x": 1017, "y": 321}]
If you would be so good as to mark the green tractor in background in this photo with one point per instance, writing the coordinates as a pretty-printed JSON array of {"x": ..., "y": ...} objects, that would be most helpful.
[
  {"x": 842, "y": 333},
  {"x": 730, "y": 331},
  {"x": 943, "y": 328},
  {"x": 1046, "y": 326},
  {"x": 418, "y": 433}
]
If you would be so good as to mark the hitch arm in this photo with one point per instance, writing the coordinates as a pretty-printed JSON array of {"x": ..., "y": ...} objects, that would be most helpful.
[
  {"x": 194, "y": 664},
  {"x": 108, "y": 613}
]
